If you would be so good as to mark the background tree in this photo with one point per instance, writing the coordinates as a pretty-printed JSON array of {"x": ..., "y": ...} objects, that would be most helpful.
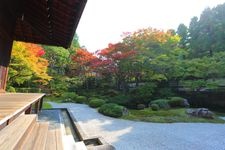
[
  {"x": 28, "y": 65},
  {"x": 182, "y": 31}
]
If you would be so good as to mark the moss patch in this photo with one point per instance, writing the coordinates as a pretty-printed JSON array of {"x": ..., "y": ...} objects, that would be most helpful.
[{"x": 167, "y": 116}]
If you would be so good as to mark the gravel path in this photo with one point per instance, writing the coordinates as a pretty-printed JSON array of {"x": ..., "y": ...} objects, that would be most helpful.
[{"x": 131, "y": 135}]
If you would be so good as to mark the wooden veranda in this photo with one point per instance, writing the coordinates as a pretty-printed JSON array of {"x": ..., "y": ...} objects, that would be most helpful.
[{"x": 14, "y": 104}]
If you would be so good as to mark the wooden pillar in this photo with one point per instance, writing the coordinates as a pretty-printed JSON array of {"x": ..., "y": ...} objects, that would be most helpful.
[
  {"x": 3, "y": 78},
  {"x": 9, "y": 11},
  {"x": 5, "y": 53}
]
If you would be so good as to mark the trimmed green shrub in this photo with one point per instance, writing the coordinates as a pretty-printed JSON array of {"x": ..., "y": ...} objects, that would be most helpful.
[
  {"x": 162, "y": 103},
  {"x": 155, "y": 107},
  {"x": 81, "y": 99},
  {"x": 112, "y": 110},
  {"x": 140, "y": 106},
  {"x": 176, "y": 102},
  {"x": 96, "y": 102},
  {"x": 69, "y": 96}
]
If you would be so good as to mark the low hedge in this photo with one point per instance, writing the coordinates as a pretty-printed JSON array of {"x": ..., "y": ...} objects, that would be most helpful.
[
  {"x": 81, "y": 99},
  {"x": 112, "y": 110},
  {"x": 162, "y": 103},
  {"x": 95, "y": 102},
  {"x": 155, "y": 107},
  {"x": 140, "y": 106},
  {"x": 70, "y": 95},
  {"x": 176, "y": 102}
]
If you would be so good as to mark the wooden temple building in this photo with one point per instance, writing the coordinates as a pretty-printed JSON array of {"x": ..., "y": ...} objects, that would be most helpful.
[{"x": 50, "y": 22}]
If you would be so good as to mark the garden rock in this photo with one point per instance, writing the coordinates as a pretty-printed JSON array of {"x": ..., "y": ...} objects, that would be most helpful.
[
  {"x": 185, "y": 103},
  {"x": 125, "y": 111},
  {"x": 200, "y": 112}
]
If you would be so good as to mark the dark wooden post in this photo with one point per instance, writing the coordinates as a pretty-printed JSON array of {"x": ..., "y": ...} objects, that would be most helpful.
[
  {"x": 9, "y": 12},
  {"x": 3, "y": 78},
  {"x": 5, "y": 53}
]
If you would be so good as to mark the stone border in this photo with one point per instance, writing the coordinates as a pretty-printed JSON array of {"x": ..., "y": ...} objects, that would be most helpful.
[{"x": 100, "y": 143}]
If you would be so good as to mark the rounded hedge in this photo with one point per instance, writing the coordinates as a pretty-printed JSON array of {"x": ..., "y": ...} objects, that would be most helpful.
[
  {"x": 112, "y": 110},
  {"x": 69, "y": 96},
  {"x": 81, "y": 99},
  {"x": 96, "y": 102},
  {"x": 176, "y": 102},
  {"x": 155, "y": 107},
  {"x": 162, "y": 103},
  {"x": 140, "y": 106}
]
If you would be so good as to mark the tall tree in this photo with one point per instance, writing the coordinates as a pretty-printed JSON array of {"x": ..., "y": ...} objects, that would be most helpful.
[
  {"x": 182, "y": 31},
  {"x": 207, "y": 34}
]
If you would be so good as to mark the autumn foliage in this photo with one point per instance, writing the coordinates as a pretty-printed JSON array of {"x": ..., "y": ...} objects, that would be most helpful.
[
  {"x": 27, "y": 64},
  {"x": 104, "y": 61}
]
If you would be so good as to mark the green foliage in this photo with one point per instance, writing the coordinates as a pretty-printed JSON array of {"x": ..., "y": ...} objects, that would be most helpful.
[
  {"x": 46, "y": 105},
  {"x": 95, "y": 102},
  {"x": 112, "y": 110},
  {"x": 81, "y": 99},
  {"x": 182, "y": 31},
  {"x": 62, "y": 84},
  {"x": 176, "y": 102},
  {"x": 111, "y": 93},
  {"x": 11, "y": 89},
  {"x": 58, "y": 59},
  {"x": 162, "y": 103},
  {"x": 140, "y": 106},
  {"x": 123, "y": 100},
  {"x": 167, "y": 116},
  {"x": 155, "y": 107},
  {"x": 206, "y": 34},
  {"x": 58, "y": 86},
  {"x": 28, "y": 90},
  {"x": 69, "y": 96},
  {"x": 142, "y": 94},
  {"x": 164, "y": 92}
]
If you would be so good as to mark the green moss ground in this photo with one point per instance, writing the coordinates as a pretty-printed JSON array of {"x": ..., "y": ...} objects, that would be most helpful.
[{"x": 167, "y": 116}]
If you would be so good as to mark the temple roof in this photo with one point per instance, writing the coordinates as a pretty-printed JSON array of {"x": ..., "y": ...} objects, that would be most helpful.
[{"x": 50, "y": 22}]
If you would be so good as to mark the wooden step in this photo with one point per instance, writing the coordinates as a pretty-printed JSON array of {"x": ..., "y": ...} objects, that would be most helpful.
[
  {"x": 41, "y": 137},
  {"x": 54, "y": 140},
  {"x": 30, "y": 138},
  {"x": 36, "y": 139},
  {"x": 12, "y": 135}
]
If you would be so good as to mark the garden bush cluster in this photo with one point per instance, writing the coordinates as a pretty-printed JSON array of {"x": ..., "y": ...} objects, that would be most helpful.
[
  {"x": 96, "y": 102},
  {"x": 112, "y": 110},
  {"x": 173, "y": 102}
]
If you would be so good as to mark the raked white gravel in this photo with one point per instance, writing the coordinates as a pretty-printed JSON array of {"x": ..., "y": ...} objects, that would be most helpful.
[{"x": 132, "y": 135}]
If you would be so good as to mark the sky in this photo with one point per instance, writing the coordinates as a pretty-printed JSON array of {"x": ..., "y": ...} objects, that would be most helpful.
[{"x": 104, "y": 21}]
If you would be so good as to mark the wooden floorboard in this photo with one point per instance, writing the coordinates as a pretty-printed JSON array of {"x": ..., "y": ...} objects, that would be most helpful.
[
  {"x": 12, "y": 104},
  {"x": 51, "y": 141},
  {"x": 59, "y": 144},
  {"x": 41, "y": 138}
]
